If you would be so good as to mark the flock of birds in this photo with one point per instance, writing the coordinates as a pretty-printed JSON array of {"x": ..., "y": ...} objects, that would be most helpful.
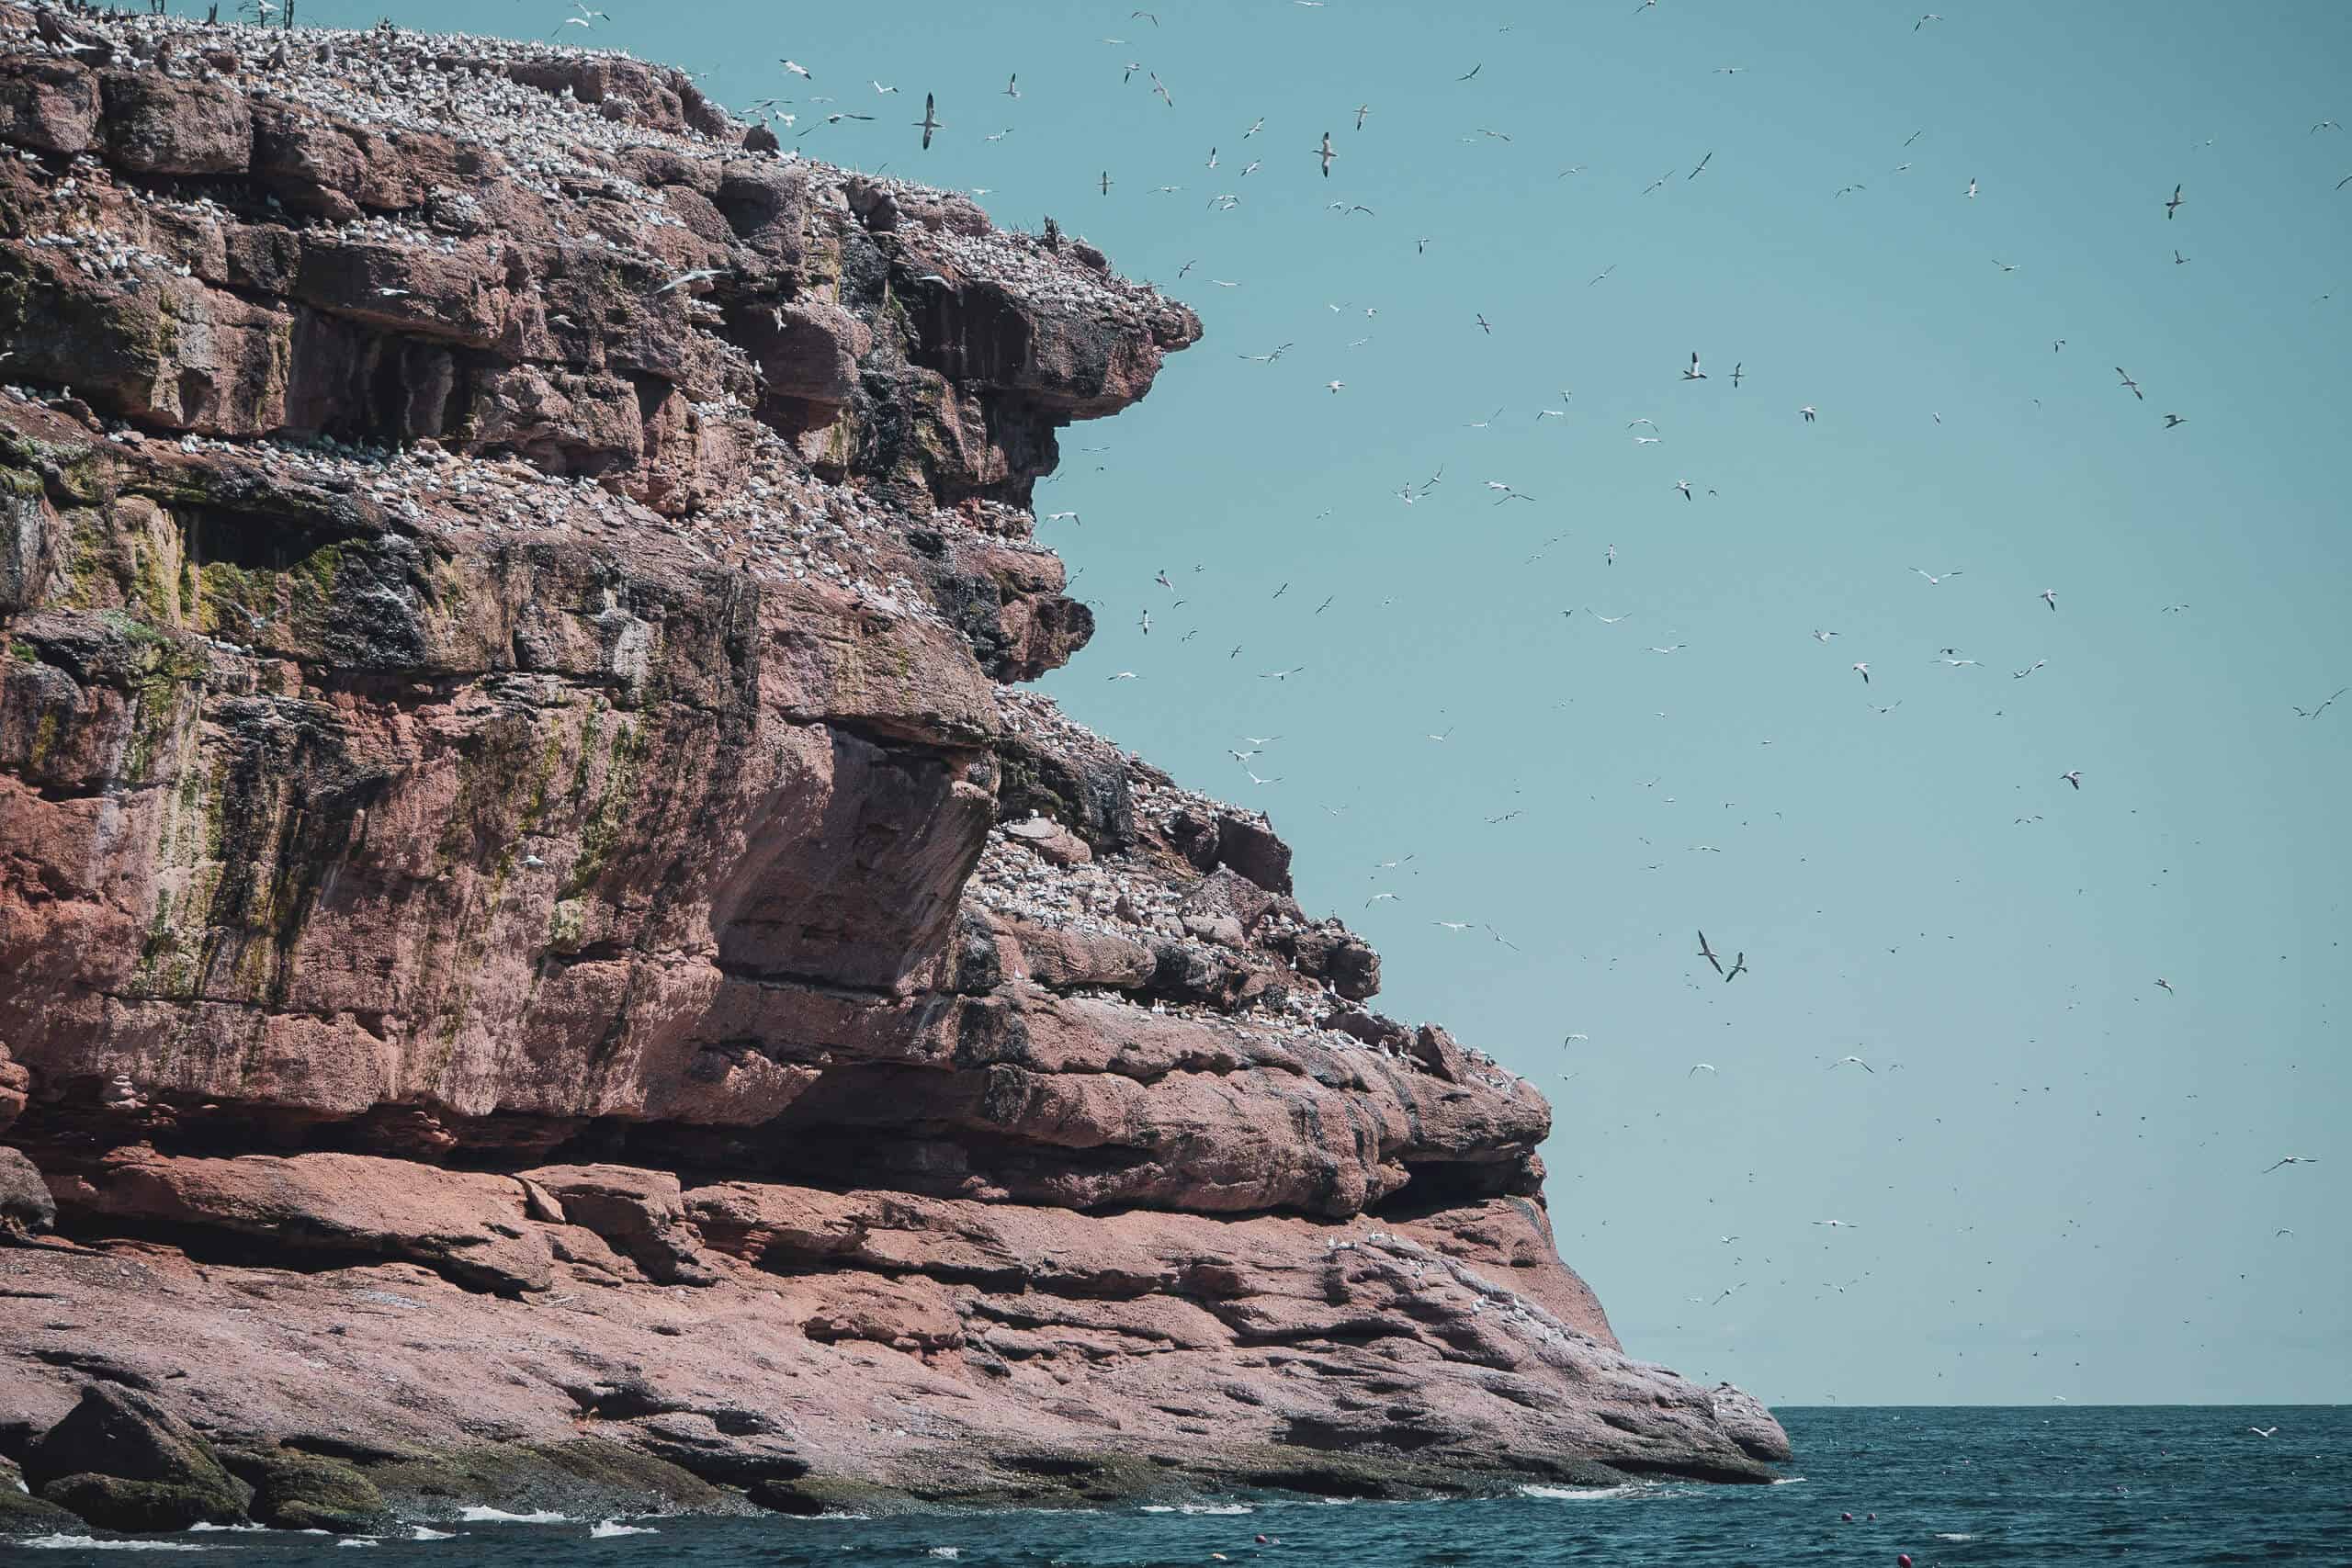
[{"x": 1237, "y": 161}]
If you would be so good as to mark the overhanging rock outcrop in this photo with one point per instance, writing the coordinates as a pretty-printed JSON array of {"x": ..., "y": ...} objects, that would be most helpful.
[{"x": 519, "y": 852}]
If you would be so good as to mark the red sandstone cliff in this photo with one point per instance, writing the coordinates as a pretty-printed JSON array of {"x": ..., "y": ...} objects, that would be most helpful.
[{"x": 537, "y": 951}]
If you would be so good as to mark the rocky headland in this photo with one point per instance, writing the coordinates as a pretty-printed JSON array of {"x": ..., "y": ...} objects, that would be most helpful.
[{"x": 545, "y": 960}]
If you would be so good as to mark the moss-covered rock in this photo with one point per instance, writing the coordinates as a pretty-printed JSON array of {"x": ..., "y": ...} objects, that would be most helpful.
[
  {"x": 123, "y": 1461},
  {"x": 113, "y": 1504},
  {"x": 298, "y": 1491},
  {"x": 22, "y": 1513},
  {"x": 585, "y": 1476}
]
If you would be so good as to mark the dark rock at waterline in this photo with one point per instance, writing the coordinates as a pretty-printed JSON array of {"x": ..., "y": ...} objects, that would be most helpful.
[
  {"x": 582, "y": 1478},
  {"x": 300, "y": 1491},
  {"x": 22, "y": 1513},
  {"x": 123, "y": 1461}
]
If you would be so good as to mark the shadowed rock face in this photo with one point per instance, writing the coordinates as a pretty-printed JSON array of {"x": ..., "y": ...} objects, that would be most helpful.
[{"x": 510, "y": 824}]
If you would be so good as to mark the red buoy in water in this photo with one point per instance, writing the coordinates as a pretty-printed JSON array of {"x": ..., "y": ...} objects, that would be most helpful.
[
  {"x": 1902, "y": 1560},
  {"x": 1846, "y": 1519}
]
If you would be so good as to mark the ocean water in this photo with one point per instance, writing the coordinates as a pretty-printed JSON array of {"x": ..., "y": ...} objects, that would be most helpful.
[{"x": 1954, "y": 1488}]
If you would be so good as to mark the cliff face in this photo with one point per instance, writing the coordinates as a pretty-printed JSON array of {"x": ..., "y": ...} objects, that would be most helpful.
[{"x": 531, "y": 924}]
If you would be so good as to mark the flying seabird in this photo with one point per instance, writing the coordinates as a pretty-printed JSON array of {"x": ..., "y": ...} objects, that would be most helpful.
[{"x": 2325, "y": 706}]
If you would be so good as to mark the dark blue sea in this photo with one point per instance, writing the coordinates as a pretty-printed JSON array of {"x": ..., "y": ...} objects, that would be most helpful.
[{"x": 1954, "y": 1488}]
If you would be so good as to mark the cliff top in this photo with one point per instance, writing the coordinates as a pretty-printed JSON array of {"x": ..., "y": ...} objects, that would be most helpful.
[{"x": 563, "y": 120}]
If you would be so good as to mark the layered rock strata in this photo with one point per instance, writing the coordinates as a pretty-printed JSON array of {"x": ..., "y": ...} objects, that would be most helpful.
[{"x": 541, "y": 953}]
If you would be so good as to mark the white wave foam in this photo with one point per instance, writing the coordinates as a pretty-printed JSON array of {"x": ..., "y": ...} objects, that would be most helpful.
[
  {"x": 92, "y": 1544},
  {"x": 480, "y": 1514},
  {"x": 1788, "y": 1480},
  {"x": 422, "y": 1533},
  {"x": 358, "y": 1540},
  {"x": 604, "y": 1530},
  {"x": 945, "y": 1552},
  {"x": 1584, "y": 1494},
  {"x": 1198, "y": 1508},
  {"x": 205, "y": 1525},
  {"x": 1955, "y": 1537}
]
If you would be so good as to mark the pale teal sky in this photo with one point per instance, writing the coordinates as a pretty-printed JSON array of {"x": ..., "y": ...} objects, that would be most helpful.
[{"x": 2059, "y": 1192}]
